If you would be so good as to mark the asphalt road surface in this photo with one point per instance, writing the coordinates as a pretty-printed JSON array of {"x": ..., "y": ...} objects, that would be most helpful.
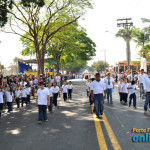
[{"x": 72, "y": 126}]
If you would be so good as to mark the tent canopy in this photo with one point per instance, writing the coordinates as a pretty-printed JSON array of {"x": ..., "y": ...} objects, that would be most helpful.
[{"x": 34, "y": 61}]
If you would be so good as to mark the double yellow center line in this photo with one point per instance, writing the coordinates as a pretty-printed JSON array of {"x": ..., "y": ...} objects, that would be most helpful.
[{"x": 100, "y": 134}]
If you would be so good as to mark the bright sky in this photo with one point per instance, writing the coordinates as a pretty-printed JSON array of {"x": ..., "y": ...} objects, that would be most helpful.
[{"x": 97, "y": 21}]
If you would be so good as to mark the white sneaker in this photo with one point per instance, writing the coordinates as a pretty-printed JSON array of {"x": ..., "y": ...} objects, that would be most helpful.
[
  {"x": 8, "y": 113},
  {"x": 11, "y": 111}
]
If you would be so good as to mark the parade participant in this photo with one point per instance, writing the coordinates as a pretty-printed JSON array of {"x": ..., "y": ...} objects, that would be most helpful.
[
  {"x": 65, "y": 90},
  {"x": 147, "y": 89},
  {"x": 50, "y": 89},
  {"x": 98, "y": 87},
  {"x": 70, "y": 90},
  {"x": 18, "y": 95},
  {"x": 140, "y": 83},
  {"x": 52, "y": 80},
  {"x": 109, "y": 81},
  {"x": 55, "y": 93},
  {"x": 23, "y": 83},
  {"x": 28, "y": 89},
  {"x": 125, "y": 90},
  {"x": 132, "y": 91},
  {"x": 42, "y": 100},
  {"x": 57, "y": 79},
  {"x": 133, "y": 76},
  {"x": 1, "y": 101},
  {"x": 89, "y": 88},
  {"x": 9, "y": 99},
  {"x": 23, "y": 95},
  {"x": 120, "y": 89}
]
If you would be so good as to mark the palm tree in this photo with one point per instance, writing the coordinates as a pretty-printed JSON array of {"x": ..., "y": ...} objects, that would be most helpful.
[{"x": 126, "y": 33}]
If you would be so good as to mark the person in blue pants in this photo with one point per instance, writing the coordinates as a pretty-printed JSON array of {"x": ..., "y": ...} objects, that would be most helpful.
[
  {"x": 147, "y": 89},
  {"x": 97, "y": 89}
]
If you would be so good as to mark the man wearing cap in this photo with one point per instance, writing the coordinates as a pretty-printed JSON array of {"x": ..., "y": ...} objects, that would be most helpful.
[
  {"x": 109, "y": 81},
  {"x": 140, "y": 83},
  {"x": 147, "y": 89},
  {"x": 97, "y": 89},
  {"x": 43, "y": 99}
]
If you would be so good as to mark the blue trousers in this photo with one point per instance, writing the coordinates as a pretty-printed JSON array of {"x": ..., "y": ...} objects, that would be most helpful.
[
  {"x": 109, "y": 94},
  {"x": 9, "y": 104},
  {"x": 42, "y": 112},
  {"x": 99, "y": 103},
  {"x": 141, "y": 90},
  {"x": 132, "y": 96},
  {"x": 147, "y": 100}
]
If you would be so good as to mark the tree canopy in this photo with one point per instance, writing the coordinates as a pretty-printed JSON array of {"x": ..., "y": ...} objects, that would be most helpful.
[{"x": 100, "y": 66}]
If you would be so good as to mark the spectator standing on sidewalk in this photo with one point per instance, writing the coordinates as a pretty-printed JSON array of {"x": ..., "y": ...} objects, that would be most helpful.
[{"x": 98, "y": 87}]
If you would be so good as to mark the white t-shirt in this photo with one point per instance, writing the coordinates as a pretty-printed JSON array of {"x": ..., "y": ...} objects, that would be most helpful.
[
  {"x": 120, "y": 87},
  {"x": 111, "y": 83},
  {"x": 131, "y": 91},
  {"x": 131, "y": 77},
  {"x": 24, "y": 93},
  {"x": 28, "y": 90},
  {"x": 147, "y": 83},
  {"x": 52, "y": 80},
  {"x": 9, "y": 96},
  {"x": 1, "y": 97},
  {"x": 55, "y": 89},
  {"x": 50, "y": 91},
  {"x": 65, "y": 88},
  {"x": 89, "y": 86},
  {"x": 98, "y": 87},
  {"x": 23, "y": 83},
  {"x": 57, "y": 78},
  {"x": 70, "y": 86},
  {"x": 125, "y": 87},
  {"x": 141, "y": 78},
  {"x": 42, "y": 96},
  {"x": 18, "y": 93}
]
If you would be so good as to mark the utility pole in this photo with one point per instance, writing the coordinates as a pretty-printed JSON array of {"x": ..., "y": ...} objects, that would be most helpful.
[{"x": 125, "y": 23}]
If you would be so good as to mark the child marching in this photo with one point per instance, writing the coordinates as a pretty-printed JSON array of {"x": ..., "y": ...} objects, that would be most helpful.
[
  {"x": 65, "y": 90},
  {"x": 70, "y": 90}
]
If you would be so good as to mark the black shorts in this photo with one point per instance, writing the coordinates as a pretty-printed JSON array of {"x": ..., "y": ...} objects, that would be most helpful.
[{"x": 1, "y": 106}]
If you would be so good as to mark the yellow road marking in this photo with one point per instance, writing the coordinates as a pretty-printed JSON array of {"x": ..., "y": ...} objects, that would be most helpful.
[
  {"x": 111, "y": 134},
  {"x": 100, "y": 135}
]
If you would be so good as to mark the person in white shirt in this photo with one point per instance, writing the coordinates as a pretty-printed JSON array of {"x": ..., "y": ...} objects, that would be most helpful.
[
  {"x": 57, "y": 78},
  {"x": 28, "y": 89},
  {"x": 23, "y": 95},
  {"x": 50, "y": 89},
  {"x": 133, "y": 76},
  {"x": 125, "y": 90},
  {"x": 109, "y": 81},
  {"x": 120, "y": 89},
  {"x": 89, "y": 89},
  {"x": 140, "y": 83},
  {"x": 1, "y": 101},
  {"x": 55, "y": 93},
  {"x": 65, "y": 90},
  {"x": 17, "y": 96},
  {"x": 43, "y": 99},
  {"x": 9, "y": 98},
  {"x": 98, "y": 87},
  {"x": 70, "y": 90},
  {"x": 132, "y": 91},
  {"x": 23, "y": 83},
  {"x": 147, "y": 89}
]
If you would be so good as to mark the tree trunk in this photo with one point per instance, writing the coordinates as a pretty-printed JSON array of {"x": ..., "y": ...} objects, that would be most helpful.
[{"x": 57, "y": 58}]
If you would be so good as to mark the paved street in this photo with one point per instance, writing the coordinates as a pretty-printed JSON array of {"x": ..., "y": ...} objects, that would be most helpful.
[{"x": 73, "y": 127}]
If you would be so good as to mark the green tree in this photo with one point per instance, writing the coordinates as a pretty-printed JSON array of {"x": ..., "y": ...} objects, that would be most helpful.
[
  {"x": 100, "y": 66},
  {"x": 68, "y": 47},
  {"x": 42, "y": 23}
]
